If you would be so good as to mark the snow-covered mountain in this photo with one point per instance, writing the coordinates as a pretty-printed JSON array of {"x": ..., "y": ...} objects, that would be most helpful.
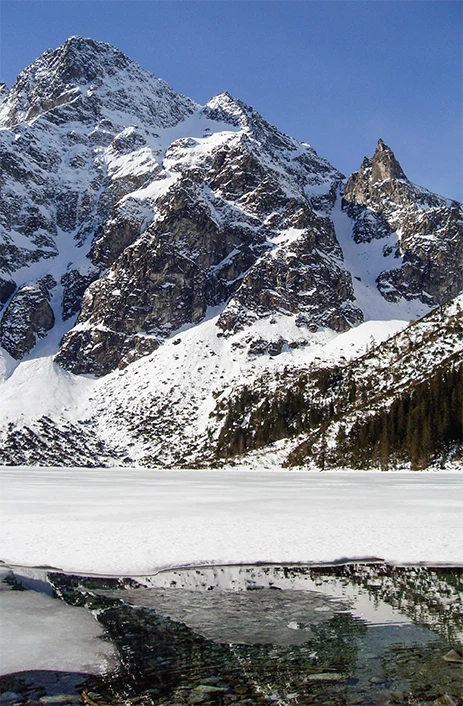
[{"x": 158, "y": 256}]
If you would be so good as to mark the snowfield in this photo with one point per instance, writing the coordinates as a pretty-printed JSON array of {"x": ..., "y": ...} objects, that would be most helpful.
[
  {"x": 136, "y": 521},
  {"x": 194, "y": 362}
]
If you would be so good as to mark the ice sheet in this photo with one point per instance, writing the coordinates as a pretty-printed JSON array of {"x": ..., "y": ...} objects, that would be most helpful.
[
  {"x": 40, "y": 632},
  {"x": 135, "y": 521}
]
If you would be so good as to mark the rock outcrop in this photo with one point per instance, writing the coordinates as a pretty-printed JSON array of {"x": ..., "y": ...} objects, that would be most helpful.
[
  {"x": 428, "y": 228},
  {"x": 28, "y": 316}
]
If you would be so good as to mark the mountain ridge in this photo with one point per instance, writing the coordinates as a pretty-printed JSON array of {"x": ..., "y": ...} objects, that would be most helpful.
[{"x": 130, "y": 214}]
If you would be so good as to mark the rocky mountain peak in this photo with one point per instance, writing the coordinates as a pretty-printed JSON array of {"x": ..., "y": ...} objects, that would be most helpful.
[
  {"x": 373, "y": 171},
  {"x": 225, "y": 108},
  {"x": 56, "y": 76},
  {"x": 136, "y": 224},
  {"x": 79, "y": 61},
  {"x": 144, "y": 228},
  {"x": 384, "y": 165},
  {"x": 87, "y": 73},
  {"x": 423, "y": 230},
  {"x": 221, "y": 99},
  {"x": 378, "y": 175}
]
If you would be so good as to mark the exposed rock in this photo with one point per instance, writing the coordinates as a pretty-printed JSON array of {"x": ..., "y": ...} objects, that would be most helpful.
[
  {"x": 445, "y": 700},
  {"x": 146, "y": 228},
  {"x": 453, "y": 656},
  {"x": 74, "y": 285},
  {"x": 304, "y": 281},
  {"x": 99, "y": 351},
  {"x": 7, "y": 287},
  {"x": 364, "y": 184},
  {"x": 28, "y": 316},
  {"x": 204, "y": 692},
  {"x": 63, "y": 152},
  {"x": 61, "y": 699},
  {"x": 326, "y": 676},
  {"x": 125, "y": 224},
  {"x": 53, "y": 82},
  {"x": 194, "y": 256},
  {"x": 44, "y": 442}
]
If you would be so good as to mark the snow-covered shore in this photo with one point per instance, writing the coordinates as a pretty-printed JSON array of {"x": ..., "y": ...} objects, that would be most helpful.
[{"x": 120, "y": 521}]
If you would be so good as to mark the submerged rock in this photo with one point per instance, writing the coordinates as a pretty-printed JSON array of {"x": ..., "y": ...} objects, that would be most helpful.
[{"x": 453, "y": 656}]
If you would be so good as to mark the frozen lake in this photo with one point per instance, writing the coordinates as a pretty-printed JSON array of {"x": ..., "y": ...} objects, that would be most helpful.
[{"x": 117, "y": 521}]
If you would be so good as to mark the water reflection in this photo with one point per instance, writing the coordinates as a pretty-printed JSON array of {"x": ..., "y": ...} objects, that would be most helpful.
[
  {"x": 340, "y": 635},
  {"x": 378, "y": 593}
]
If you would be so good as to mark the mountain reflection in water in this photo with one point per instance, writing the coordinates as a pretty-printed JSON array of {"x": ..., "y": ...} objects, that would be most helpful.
[{"x": 352, "y": 634}]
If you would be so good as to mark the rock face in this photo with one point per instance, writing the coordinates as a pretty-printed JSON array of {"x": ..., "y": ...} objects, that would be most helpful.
[
  {"x": 28, "y": 316},
  {"x": 7, "y": 287},
  {"x": 383, "y": 202},
  {"x": 303, "y": 280},
  {"x": 69, "y": 121},
  {"x": 148, "y": 211}
]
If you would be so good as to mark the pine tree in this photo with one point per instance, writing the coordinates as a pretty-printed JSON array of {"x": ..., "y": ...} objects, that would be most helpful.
[{"x": 384, "y": 449}]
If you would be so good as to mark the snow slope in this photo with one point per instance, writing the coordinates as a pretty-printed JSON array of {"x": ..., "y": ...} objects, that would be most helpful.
[
  {"x": 181, "y": 380},
  {"x": 366, "y": 260}
]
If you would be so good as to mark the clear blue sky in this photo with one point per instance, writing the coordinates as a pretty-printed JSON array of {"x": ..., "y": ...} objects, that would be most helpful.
[{"x": 338, "y": 74}]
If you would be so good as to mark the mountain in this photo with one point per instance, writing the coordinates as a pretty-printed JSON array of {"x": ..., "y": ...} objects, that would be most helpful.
[
  {"x": 401, "y": 401},
  {"x": 382, "y": 202},
  {"x": 158, "y": 257}
]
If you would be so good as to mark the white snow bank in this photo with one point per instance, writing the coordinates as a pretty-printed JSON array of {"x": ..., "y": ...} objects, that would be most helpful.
[
  {"x": 360, "y": 339},
  {"x": 136, "y": 521},
  {"x": 44, "y": 633}
]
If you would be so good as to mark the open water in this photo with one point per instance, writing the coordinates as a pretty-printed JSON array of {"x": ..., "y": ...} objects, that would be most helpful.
[{"x": 350, "y": 634}]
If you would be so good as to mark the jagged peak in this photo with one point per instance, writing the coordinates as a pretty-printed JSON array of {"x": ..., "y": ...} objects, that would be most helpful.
[
  {"x": 76, "y": 40},
  {"x": 384, "y": 164},
  {"x": 382, "y": 147},
  {"x": 225, "y": 101},
  {"x": 225, "y": 108},
  {"x": 84, "y": 50},
  {"x": 236, "y": 112},
  {"x": 223, "y": 97},
  {"x": 61, "y": 72},
  {"x": 77, "y": 61}
]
